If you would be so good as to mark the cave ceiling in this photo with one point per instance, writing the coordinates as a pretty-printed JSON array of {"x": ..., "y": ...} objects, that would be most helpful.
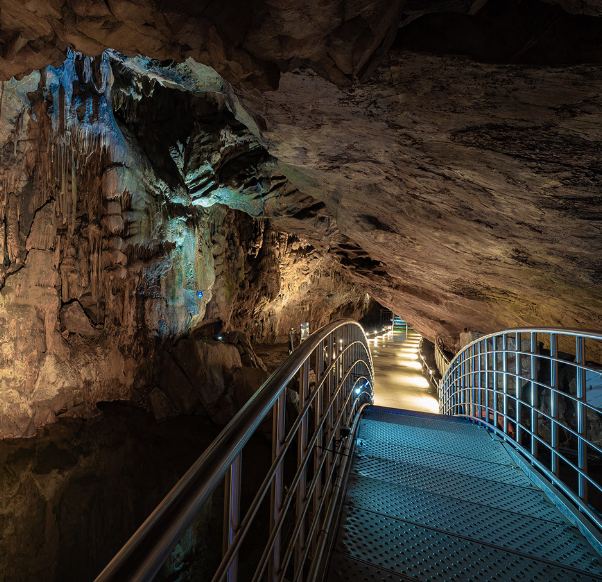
[{"x": 448, "y": 154}]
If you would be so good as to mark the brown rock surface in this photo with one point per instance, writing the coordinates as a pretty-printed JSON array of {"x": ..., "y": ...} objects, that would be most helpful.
[
  {"x": 112, "y": 226},
  {"x": 473, "y": 189},
  {"x": 458, "y": 191}
]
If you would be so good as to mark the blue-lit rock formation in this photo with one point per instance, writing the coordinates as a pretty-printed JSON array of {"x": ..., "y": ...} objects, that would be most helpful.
[{"x": 122, "y": 197}]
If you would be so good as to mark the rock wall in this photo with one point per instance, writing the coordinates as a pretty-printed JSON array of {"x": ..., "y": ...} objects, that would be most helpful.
[
  {"x": 115, "y": 241},
  {"x": 472, "y": 189},
  {"x": 461, "y": 191}
]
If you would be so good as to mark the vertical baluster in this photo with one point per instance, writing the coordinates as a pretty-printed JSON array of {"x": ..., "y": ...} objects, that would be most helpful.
[
  {"x": 505, "y": 379},
  {"x": 472, "y": 381},
  {"x": 495, "y": 403},
  {"x": 517, "y": 385},
  {"x": 581, "y": 418},
  {"x": 533, "y": 374},
  {"x": 337, "y": 432},
  {"x": 232, "y": 513},
  {"x": 277, "y": 488},
  {"x": 554, "y": 402},
  {"x": 479, "y": 387},
  {"x": 346, "y": 368},
  {"x": 461, "y": 384},
  {"x": 487, "y": 392},
  {"x": 301, "y": 454},
  {"x": 318, "y": 449}
]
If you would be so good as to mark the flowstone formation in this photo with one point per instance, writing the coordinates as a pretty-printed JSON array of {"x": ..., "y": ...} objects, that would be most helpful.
[{"x": 115, "y": 243}]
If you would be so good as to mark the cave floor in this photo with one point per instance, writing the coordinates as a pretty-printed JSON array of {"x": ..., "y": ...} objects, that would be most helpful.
[{"x": 398, "y": 378}]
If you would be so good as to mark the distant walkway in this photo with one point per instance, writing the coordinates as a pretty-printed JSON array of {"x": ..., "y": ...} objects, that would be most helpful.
[{"x": 398, "y": 379}]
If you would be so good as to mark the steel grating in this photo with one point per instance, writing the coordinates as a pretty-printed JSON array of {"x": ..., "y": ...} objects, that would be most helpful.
[
  {"x": 525, "y": 500},
  {"x": 420, "y": 553},
  {"x": 448, "y": 443},
  {"x": 437, "y": 422},
  {"x": 512, "y": 531},
  {"x": 345, "y": 569},
  {"x": 394, "y": 452}
]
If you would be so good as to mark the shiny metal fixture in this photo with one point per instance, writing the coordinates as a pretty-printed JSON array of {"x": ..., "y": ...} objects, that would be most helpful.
[
  {"x": 333, "y": 375},
  {"x": 539, "y": 389}
]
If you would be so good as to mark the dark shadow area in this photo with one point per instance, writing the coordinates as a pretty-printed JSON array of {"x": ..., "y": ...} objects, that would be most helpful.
[
  {"x": 508, "y": 31},
  {"x": 71, "y": 496}
]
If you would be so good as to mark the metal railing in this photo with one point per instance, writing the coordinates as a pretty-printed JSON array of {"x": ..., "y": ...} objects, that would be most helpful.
[
  {"x": 332, "y": 373},
  {"x": 441, "y": 360},
  {"x": 537, "y": 388}
]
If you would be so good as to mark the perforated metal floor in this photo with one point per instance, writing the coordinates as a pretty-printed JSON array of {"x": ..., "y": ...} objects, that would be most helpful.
[{"x": 432, "y": 499}]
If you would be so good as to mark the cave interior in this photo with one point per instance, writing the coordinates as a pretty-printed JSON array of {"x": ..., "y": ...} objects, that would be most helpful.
[{"x": 183, "y": 183}]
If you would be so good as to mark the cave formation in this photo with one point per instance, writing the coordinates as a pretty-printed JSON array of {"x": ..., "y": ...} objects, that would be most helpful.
[
  {"x": 282, "y": 163},
  {"x": 169, "y": 169}
]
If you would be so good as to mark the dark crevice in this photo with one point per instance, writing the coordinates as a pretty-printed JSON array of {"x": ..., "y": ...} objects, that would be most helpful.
[{"x": 508, "y": 32}]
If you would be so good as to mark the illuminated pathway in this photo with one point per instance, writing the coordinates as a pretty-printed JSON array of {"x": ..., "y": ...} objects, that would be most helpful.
[{"x": 398, "y": 379}]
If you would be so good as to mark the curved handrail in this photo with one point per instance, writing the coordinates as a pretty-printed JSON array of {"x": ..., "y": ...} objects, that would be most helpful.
[
  {"x": 441, "y": 360},
  {"x": 510, "y": 382},
  {"x": 342, "y": 360}
]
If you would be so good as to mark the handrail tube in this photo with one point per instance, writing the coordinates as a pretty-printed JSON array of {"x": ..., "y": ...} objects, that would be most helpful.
[
  {"x": 335, "y": 497},
  {"x": 168, "y": 522},
  {"x": 243, "y": 530},
  {"x": 545, "y": 357},
  {"x": 556, "y": 480},
  {"x": 525, "y": 399},
  {"x": 318, "y": 559},
  {"x": 564, "y": 394},
  {"x": 481, "y": 420},
  {"x": 550, "y": 418},
  {"x": 295, "y": 533},
  {"x": 289, "y": 497}
]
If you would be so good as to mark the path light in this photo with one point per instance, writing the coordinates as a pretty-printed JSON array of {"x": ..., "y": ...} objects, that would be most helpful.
[
  {"x": 419, "y": 381},
  {"x": 412, "y": 364}
]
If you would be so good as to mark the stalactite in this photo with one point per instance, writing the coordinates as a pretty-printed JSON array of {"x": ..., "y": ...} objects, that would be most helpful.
[{"x": 83, "y": 135}]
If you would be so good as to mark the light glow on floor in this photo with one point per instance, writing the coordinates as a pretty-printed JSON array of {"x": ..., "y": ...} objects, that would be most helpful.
[{"x": 412, "y": 364}]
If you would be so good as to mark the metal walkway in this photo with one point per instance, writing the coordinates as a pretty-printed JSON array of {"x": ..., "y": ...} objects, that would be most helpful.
[{"x": 434, "y": 498}]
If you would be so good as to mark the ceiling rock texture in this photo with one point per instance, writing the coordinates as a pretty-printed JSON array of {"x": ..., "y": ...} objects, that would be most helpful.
[{"x": 444, "y": 156}]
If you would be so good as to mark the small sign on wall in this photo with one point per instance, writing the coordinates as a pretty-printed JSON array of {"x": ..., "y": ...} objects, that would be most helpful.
[{"x": 304, "y": 331}]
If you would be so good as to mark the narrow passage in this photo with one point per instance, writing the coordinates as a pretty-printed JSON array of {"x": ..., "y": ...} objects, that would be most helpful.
[{"x": 398, "y": 378}]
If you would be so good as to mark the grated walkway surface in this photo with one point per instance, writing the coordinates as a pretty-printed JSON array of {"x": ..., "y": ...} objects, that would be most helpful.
[{"x": 436, "y": 499}]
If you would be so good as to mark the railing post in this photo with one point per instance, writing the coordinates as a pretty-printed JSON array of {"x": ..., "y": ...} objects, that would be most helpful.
[
  {"x": 534, "y": 419},
  {"x": 479, "y": 387},
  {"x": 505, "y": 379},
  {"x": 318, "y": 449},
  {"x": 277, "y": 488},
  {"x": 301, "y": 454},
  {"x": 337, "y": 383},
  {"x": 232, "y": 513},
  {"x": 581, "y": 418},
  {"x": 517, "y": 385},
  {"x": 494, "y": 354},
  {"x": 555, "y": 465},
  {"x": 472, "y": 382}
]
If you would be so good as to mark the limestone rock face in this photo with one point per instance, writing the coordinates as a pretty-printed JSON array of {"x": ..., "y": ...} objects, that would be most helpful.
[
  {"x": 277, "y": 163},
  {"x": 472, "y": 189},
  {"x": 116, "y": 244}
]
